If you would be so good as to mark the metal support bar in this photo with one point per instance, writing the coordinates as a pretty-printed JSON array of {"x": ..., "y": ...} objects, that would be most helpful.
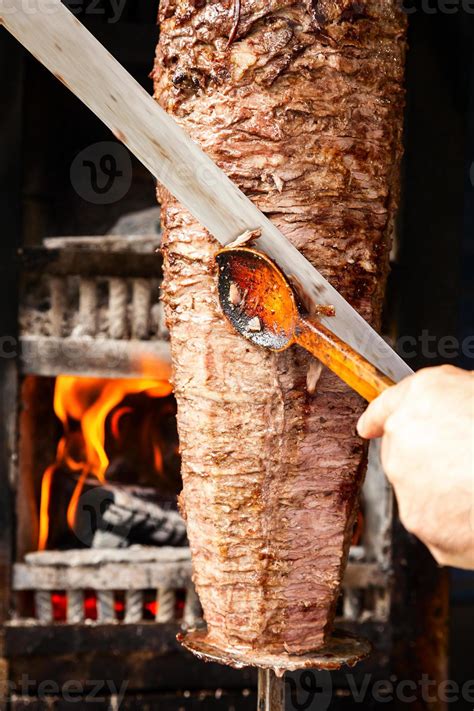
[
  {"x": 75, "y": 606},
  {"x": 166, "y": 605},
  {"x": 271, "y": 691},
  {"x": 105, "y": 606}
]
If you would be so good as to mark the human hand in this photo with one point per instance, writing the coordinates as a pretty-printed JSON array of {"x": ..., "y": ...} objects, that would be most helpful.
[{"x": 427, "y": 425}]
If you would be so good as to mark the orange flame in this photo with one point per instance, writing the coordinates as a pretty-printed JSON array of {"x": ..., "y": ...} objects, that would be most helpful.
[
  {"x": 73, "y": 504},
  {"x": 44, "y": 506},
  {"x": 115, "y": 420},
  {"x": 158, "y": 459},
  {"x": 83, "y": 405}
]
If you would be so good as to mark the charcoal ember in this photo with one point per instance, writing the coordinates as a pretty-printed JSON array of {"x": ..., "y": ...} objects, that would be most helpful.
[{"x": 128, "y": 519}]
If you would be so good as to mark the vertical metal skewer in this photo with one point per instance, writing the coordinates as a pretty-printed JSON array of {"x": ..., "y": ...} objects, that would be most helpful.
[{"x": 271, "y": 691}]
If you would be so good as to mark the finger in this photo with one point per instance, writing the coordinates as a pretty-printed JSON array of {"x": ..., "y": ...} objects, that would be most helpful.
[{"x": 372, "y": 422}]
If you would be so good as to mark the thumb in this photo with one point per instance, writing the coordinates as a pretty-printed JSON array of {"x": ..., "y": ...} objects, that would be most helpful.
[{"x": 372, "y": 422}]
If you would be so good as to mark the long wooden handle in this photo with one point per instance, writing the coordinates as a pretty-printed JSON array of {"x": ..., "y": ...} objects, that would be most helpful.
[{"x": 350, "y": 366}]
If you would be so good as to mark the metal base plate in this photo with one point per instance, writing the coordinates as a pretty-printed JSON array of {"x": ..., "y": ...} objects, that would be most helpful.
[{"x": 340, "y": 649}]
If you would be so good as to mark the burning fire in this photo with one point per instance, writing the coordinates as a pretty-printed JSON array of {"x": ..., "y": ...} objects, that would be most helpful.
[{"x": 90, "y": 410}]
